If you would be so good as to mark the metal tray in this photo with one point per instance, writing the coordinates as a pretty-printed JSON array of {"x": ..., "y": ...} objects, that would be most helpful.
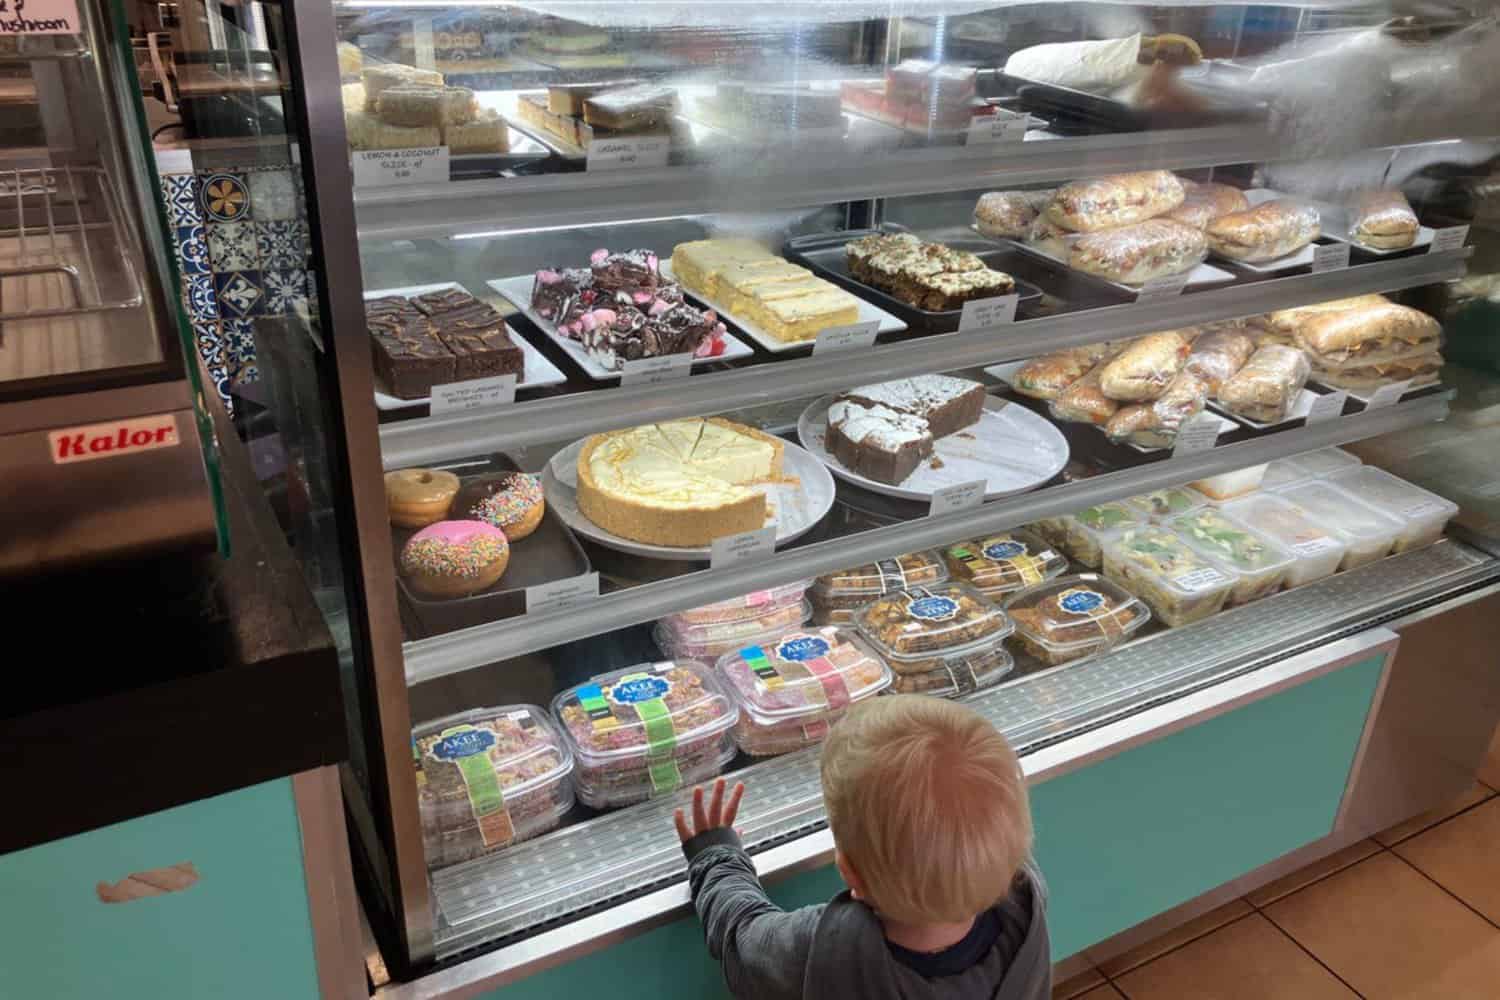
[{"x": 549, "y": 553}]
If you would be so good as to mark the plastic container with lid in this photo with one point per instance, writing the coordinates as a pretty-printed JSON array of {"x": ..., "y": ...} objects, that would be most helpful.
[
  {"x": 1259, "y": 563},
  {"x": 646, "y": 730},
  {"x": 1173, "y": 501},
  {"x": 1368, "y": 533},
  {"x": 488, "y": 778},
  {"x": 957, "y": 675},
  {"x": 1313, "y": 465},
  {"x": 707, "y": 641},
  {"x": 1228, "y": 485},
  {"x": 1179, "y": 584},
  {"x": 791, "y": 690},
  {"x": 1422, "y": 514},
  {"x": 758, "y": 604},
  {"x": 1082, "y": 534},
  {"x": 1003, "y": 562},
  {"x": 1074, "y": 616},
  {"x": 947, "y": 619},
  {"x": 1316, "y": 550},
  {"x": 837, "y": 596}
]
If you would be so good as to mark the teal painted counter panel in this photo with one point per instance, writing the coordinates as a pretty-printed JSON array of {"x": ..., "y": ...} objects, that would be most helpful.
[{"x": 243, "y": 931}]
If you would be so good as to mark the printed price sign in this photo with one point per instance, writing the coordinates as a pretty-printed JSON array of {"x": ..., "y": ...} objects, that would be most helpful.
[
  {"x": 39, "y": 17},
  {"x": 1000, "y": 127},
  {"x": 475, "y": 394},
  {"x": 960, "y": 496},
  {"x": 1448, "y": 238},
  {"x": 628, "y": 154},
  {"x": 749, "y": 546},
  {"x": 1200, "y": 579},
  {"x": 1199, "y": 434},
  {"x": 1167, "y": 287},
  {"x": 386, "y": 167},
  {"x": 1330, "y": 257},
  {"x": 1314, "y": 546},
  {"x": 1388, "y": 395},
  {"x": 562, "y": 594},
  {"x": 649, "y": 371},
  {"x": 846, "y": 338},
  {"x": 1327, "y": 407},
  {"x": 980, "y": 313}
]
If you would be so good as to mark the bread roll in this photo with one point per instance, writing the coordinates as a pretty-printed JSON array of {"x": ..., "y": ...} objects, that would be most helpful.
[
  {"x": 1047, "y": 376},
  {"x": 1008, "y": 214},
  {"x": 1218, "y": 354},
  {"x": 1083, "y": 402},
  {"x": 1367, "y": 335},
  {"x": 1420, "y": 369},
  {"x": 1206, "y": 202},
  {"x": 1270, "y": 230},
  {"x": 1135, "y": 254},
  {"x": 1143, "y": 370},
  {"x": 1155, "y": 424},
  {"x": 1286, "y": 322},
  {"x": 1267, "y": 386},
  {"x": 1115, "y": 200},
  {"x": 1384, "y": 220}
]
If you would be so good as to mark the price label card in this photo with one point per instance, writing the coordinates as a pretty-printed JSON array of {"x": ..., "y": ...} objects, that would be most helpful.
[
  {"x": 628, "y": 154},
  {"x": 39, "y": 17},
  {"x": 1314, "y": 546},
  {"x": 1330, "y": 257},
  {"x": 749, "y": 546},
  {"x": 1327, "y": 407},
  {"x": 846, "y": 338},
  {"x": 1448, "y": 238},
  {"x": 1200, "y": 579},
  {"x": 1166, "y": 287},
  {"x": 475, "y": 394},
  {"x": 960, "y": 496},
  {"x": 387, "y": 167},
  {"x": 560, "y": 595},
  {"x": 1199, "y": 434},
  {"x": 980, "y": 313},
  {"x": 1388, "y": 395},
  {"x": 1001, "y": 127},
  {"x": 649, "y": 371}
]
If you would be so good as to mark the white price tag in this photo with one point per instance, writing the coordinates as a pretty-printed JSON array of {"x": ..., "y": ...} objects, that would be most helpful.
[
  {"x": 1330, "y": 257},
  {"x": 749, "y": 546},
  {"x": 386, "y": 167},
  {"x": 1003, "y": 126},
  {"x": 1388, "y": 395},
  {"x": 649, "y": 371},
  {"x": 39, "y": 17},
  {"x": 1314, "y": 546},
  {"x": 1166, "y": 287},
  {"x": 959, "y": 496},
  {"x": 1200, "y": 579},
  {"x": 1448, "y": 238},
  {"x": 1422, "y": 508},
  {"x": 980, "y": 313},
  {"x": 628, "y": 154},
  {"x": 1327, "y": 407},
  {"x": 1199, "y": 434},
  {"x": 846, "y": 338},
  {"x": 562, "y": 594},
  {"x": 475, "y": 394}
]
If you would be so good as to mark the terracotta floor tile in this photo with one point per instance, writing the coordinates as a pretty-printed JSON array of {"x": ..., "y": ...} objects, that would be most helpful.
[
  {"x": 1463, "y": 856},
  {"x": 1195, "y": 928},
  {"x": 1105, "y": 992},
  {"x": 1489, "y": 771},
  {"x": 1078, "y": 985},
  {"x": 1392, "y": 935},
  {"x": 1476, "y": 794},
  {"x": 1247, "y": 960},
  {"x": 1289, "y": 883}
]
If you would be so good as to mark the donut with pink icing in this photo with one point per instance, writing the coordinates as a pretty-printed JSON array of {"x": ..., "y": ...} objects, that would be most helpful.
[{"x": 455, "y": 558}]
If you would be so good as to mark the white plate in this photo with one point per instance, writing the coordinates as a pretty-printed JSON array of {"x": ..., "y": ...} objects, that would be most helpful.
[
  {"x": 1198, "y": 277},
  {"x": 518, "y": 290},
  {"x": 1334, "y": 221},
  {"x": 1363, "y": 396},
  {"x": 1012, "y": 449},
  {"x": 536, "y": 372},
  {"x": 796, "y": 506},
  {"x": 1295, "y": 259},
  {"x": 1299, "y": 409},
  {"x": 867, "y": 311}
]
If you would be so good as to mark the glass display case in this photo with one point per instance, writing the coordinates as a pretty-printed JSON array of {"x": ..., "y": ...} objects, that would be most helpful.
[{"x": 696, "y": 372}]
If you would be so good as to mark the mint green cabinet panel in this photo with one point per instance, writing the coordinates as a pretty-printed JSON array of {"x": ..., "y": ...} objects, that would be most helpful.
[{"x": 243, "y": 931}]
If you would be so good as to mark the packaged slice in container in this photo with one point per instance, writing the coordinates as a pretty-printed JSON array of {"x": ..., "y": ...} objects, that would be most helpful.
[
  {"x": 1074, "y": 616},
  {"x": 646, "y": 730},
  {"x": 710, "y": 640},
  {"x": 1003, "y": 562},
  {"x": 1368, "y": 533},
  {"x": 488, "y": 778},
  {"x": 1228, "y": 485},
  {"x": 1180, "y": 585},
  {"x": 753, "y": 605},
  {"x": 1260, "y": 565},
  {"x": 1082, "y": 534},
  {"x": 948, "y": 618},
  {"x": 957, "y": 675},
  {"x": 791, "y": 690},
  {"x": 837, "y": 596},
  {"x": 1317, "y": 550},
  {"x": 1422, "y": 514},
  {"x": 1174, "y": 501}
]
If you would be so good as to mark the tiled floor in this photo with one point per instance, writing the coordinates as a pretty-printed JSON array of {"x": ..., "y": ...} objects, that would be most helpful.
[{"x": 1413, "y": 913}]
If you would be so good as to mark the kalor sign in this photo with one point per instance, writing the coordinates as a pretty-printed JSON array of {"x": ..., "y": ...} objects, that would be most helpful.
[
  {"x": 39, "y": 17},
  {"x": 117, "y": 437}
]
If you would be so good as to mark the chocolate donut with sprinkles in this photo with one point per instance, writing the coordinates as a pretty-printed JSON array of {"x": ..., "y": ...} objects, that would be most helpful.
[{"x": 510, "y": 501}]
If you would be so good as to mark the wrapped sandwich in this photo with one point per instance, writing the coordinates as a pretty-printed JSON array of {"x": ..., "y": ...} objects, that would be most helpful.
[
  {"x": 1116, "y": 200},
  {"x": 1267, "y": 386},
  {"x": 1206, "y": 202},
  {"x": 1367, "y": 334},
  {"x": 1083, "y": 401},
  {"x": 1270, "y": 230},
  {"x": 1285, "y": 322},
  {"x": 1218, "y": 354},
  {"x": 1009, "y": 214},
  {"x": 1047, "y": 376},
  {"x": 1155, "y": 424},
  {"x": 1049, "y": 238},
  {"x": 1136, "y": 254},
  {"x": 1143, "y": 370},
  {"x": 1383, "y": 220}
]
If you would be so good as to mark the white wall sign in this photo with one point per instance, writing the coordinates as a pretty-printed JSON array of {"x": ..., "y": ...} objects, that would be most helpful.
[{"x": 39, "y": 17}]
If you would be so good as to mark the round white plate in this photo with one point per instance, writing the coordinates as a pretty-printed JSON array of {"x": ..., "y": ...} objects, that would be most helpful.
[
  {"x": 1012, "y": 449},
  {"x": 796, "y": 506}
]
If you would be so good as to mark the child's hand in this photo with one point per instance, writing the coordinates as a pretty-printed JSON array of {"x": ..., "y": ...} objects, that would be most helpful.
[{"x": 718, "y": 814}]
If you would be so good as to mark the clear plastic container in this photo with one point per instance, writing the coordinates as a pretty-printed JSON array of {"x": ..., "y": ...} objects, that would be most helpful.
[
  {"x": 947, "y": 619},
  {"x": 1082, "y": 534},
  {"x": 1074, "y": 616},
  {"x": 646, "y": 730},
  {"x": 1316, "y": 550},
  {"x": 1180, "y": 585},
  {"x": 1228, "y": 485},
  {"x": 1173, "y": 501},
  {"x": 1368, "y": 533},
  {"x": 488, "y": 778},
  {"x": 958, "y": 675},
  {"x": 791, "y": 690},
  {"x": 1259, "y": 563},
  {"x": 837, "y": 596},
  {"x": 708, "y": 641},
  {"x": 754, "y": 605},
  {"x": 1313, "y": 465},
  {"x": 1003, "y": 562},
  {"x": 1423, "y": 514}
]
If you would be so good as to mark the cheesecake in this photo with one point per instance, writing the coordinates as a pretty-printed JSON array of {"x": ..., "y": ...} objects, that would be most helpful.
[{"x": 679, "y": 483}]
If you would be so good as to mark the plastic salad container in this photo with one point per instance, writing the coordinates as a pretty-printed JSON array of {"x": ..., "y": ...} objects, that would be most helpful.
[
  {"x": 755, "y": 605},
  {"x": 1228, "y": 485},
  {"x": 707, "y": 641},
  {"x": 957, "y": 675},
  {"x": 1173, "y": 501},
  {"x": 1313, "y": 465},
  {"x": 1316, "y": 550},
  {"x": 1003, "y": 562},
  {"x": 1423, "y": 514},
  {"x": 488, "y": 778},
  {"x": 790, "y": 691},
  {"x": 646, "y": 730},
  {"x": 918, "y": 623},
  {"x": 836, "y": 596},
  {"x": 1157, "y": 565},
  {"x": 1367, "y": 532},
  {"x": 1259, "y": 564},
  {"x": 1082, "y": 533},
  {"x": 1074, "y": 616}
]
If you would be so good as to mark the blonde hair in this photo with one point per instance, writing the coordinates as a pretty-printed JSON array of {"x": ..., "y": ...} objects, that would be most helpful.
[{"x": 928, "y": 802}]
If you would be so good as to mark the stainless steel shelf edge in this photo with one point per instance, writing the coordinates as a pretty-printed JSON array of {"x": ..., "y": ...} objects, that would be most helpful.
[
  {"x": 592, "y": 199},
  {"x": 435, "y": 439},
  {"x": 455, "y": 652}
]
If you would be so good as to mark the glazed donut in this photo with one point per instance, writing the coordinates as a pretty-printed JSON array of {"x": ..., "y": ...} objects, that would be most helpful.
[
  {"x": 418, "y": 497},
  {"x": 455, "y": 558},
  {"x": 511, "y": 501}
]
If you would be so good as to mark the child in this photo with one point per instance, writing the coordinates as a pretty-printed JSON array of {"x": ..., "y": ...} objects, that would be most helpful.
[{"x": 931, "y": 834}]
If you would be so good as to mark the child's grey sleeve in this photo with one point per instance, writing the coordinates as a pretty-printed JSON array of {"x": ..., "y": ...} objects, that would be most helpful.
[{"x": 763, "y": 948}]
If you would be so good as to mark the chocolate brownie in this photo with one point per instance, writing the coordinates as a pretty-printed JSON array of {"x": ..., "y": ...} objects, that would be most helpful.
[
  {"x": 447, "y": 300},
  {"x": 410, "y": 359},
  {"x": 947, "y": 404},
  {"x": 876, "y": 441},
  {"x": 483, "y": 353},
  {"x": 628, "y": 269},
  {"x": 554, "y": 290}
]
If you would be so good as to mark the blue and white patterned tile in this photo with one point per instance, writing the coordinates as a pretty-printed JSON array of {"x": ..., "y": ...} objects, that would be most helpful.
[
  {"x": 285, "y": 290},
  {"x": 225, "y": 198},
  {"x": 273, "y": 193},
  {"x": 202, "y": 302},
  {"x": 192, "y": 249},
  {"x": 181, "y": 194},
  {"x": 231, "y": 246},
  {"x": 239, "y": 294},
  {"x": 247, "y": 375},
  {"x": 209, "y": 342},
  {"x": 282, "y": 243},
  {"x": 239, "y": 341}
]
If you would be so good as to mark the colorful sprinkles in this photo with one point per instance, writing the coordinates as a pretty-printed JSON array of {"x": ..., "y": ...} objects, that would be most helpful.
[
  {"x": 467, "y": 558},
  {"x": 519, "y": 496}
]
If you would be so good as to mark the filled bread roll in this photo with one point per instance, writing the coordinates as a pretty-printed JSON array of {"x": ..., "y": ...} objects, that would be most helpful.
[
  {"x": 1270, "y": 230},
  {"x": 1047, "y": 376},
  {"x": 1419, "y": 369},
  {"x": 1155, "y": 424},
  {"x": 1009, "y": 214},
  {"x": 1083, "y": 401},
  {"x": 1267, "y": 386},
  {"x": 1135, "y": 254},
  {"x": 1218, "y": 354},
  {"x": 1143, "y": 370},
  {"x": 1206, "y": 202},
  {"x": 1115, "y": 200},
  {"x": 1367, "y": 335},
  {"x": 1286, "y": 322},
  {"x": 1384, "y": 220}
]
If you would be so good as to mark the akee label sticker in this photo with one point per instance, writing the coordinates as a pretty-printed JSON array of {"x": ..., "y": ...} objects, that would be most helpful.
[{"x": 387, "y": 167}]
